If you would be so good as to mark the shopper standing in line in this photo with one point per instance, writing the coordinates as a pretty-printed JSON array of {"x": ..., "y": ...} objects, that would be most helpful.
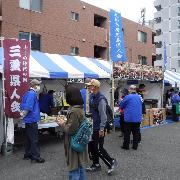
[
  {"x": 175, "y": 100},
  {"x": 98, "y": 109},
  {"x": 31, "y": 116},
  {"x": 124, "y": 93},
  {"x": 75, "y": 116},
  {"x": 132, "y": 106},
  {"x": 46, "y": 102}
]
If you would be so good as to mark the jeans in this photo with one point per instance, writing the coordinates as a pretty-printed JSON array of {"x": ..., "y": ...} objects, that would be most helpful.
[{"x": 78, "y": 174}]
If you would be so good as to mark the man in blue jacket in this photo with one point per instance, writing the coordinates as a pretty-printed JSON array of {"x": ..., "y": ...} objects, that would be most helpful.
[
  {"x": 31, "y": 116},
  {"x": 132, "y": 105}
]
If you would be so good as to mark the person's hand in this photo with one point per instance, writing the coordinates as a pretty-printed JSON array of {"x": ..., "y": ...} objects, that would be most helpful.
[
  {"x": 60, "y": 121},
  {"x": 101, "y": 133}
]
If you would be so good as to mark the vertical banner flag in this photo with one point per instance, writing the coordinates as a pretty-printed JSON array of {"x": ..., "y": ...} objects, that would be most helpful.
[
  {"x": 165, "y": 57},
  {"x": 117, "y": 48},
  {"x": 16, "y": 74}
]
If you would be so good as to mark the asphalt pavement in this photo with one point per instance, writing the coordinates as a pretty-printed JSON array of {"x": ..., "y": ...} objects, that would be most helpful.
[{"x": 157, "y": 158}]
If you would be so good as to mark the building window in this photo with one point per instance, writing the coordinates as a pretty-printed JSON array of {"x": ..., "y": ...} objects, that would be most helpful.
[
  {"x": 142, "y": 37},
  {"x": 74, "y": 16},
  {"x": 100, "y": 21},
  {"x": 35, "y": 40},
  {"x": 34, "y": 5},
  {"x": 74, "y": 51},
  {"x": 24, "y": 35},
  {"x": 100, "y": 52},
  {"x": 24, "y": 4},
  {"x": 142, "y": 60}
]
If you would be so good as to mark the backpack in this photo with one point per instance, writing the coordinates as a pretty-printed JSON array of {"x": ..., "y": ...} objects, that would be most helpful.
[
  {"x": 109, "y": 113},
  {"x": 82, "y": 136},
  {"x": 110, "y": 119}
]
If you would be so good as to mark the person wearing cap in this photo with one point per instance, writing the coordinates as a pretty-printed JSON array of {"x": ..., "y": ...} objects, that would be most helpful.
[
  {"x": 175, "y": 99},
  {"x": 31, "y": 115},
  {"x": 98, "y": 104},
  {"x": 132, "y": 105},
  {"x": 46, "y": 102}
]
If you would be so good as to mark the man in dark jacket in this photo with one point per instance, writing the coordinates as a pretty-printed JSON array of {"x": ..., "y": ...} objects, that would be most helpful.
[
  {"x": 98, "y": 109},
  {"x": 46, "y": 102},
  {"x": 132, "y": 106}
]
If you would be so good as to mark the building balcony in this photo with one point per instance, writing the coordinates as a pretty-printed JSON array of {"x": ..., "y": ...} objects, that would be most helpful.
[
  {"x": 158, "y": 38},
  {"x": 159, "y": 50},
  {"x": 157, "y": 3},
  {"x": 158, "y": 63},
  {"x": 157, "y": 14},
  {"x": 158, "y": 56},
  {"x": 157, "y": 26},
  {"x": 101, "y": 35}
]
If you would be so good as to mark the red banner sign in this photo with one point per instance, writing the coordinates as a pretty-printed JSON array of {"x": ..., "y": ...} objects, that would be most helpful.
[{"x": 16, "y": 74}]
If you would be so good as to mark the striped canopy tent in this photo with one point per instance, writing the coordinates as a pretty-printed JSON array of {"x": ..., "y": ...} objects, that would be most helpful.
[
  {"x": 171, "y": 77},
  {"x": 47, "y": 65}
]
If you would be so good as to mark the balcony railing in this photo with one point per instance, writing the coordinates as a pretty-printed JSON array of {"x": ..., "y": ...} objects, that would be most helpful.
[
  {"x": 158, "y": 38},
  {"x": 157, "y": 14}
]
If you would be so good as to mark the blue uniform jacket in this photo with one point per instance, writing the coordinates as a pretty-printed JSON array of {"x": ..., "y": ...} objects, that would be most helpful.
[
  {"x": 132, "y": 106},
  {"x": 46, "y": 102},
  {"x": 175, "y": 99},
  {"x": 83, "y": 94},
  {"x": 31, "y": 104}
]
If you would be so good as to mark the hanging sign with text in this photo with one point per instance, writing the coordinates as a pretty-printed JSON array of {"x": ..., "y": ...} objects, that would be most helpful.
[{"x": 16, "y": 74}]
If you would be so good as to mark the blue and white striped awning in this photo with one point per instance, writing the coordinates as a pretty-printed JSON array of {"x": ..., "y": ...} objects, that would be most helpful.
[
  {"x": 46, "y": 65},
  {"x": 171, "y": 77}
]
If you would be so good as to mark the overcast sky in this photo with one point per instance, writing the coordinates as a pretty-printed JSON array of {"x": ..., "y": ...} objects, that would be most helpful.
[{"x": 130, "y": 9}]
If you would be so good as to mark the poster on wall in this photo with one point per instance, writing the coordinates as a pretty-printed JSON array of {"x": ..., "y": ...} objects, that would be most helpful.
[{"x": 16, "y": 74}]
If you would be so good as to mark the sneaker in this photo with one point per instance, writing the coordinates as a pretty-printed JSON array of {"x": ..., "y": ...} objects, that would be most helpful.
[
  {"x": 94, "y": 167},
  {"x": 125, "y": 148},
  {"x": 111, "y": 169},
  {"x": 26, "y": 158},
  {"x": 135, "y": 148},
  {"x": 40, "y": 160}
]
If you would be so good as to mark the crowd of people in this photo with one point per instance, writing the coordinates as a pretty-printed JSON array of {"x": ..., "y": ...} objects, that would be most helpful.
[{"x": 89, "y": 102}]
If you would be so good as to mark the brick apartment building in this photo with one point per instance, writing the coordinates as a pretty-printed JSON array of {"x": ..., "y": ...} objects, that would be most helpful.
[{"x": 72, "y": 27}]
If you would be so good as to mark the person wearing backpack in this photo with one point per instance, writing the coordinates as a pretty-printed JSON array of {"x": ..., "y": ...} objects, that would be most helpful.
[
  {"x": 75, "y": 160},
  {"x": 98, "y": 104}
]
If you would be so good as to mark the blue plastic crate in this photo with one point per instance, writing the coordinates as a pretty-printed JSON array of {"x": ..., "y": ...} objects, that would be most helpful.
[{"x": 116, "y": 122}]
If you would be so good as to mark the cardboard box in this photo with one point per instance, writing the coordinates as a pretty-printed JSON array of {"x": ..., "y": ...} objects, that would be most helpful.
[
  {"x": 157, "y": 115},
  {"x": 146, "y": 117}
]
